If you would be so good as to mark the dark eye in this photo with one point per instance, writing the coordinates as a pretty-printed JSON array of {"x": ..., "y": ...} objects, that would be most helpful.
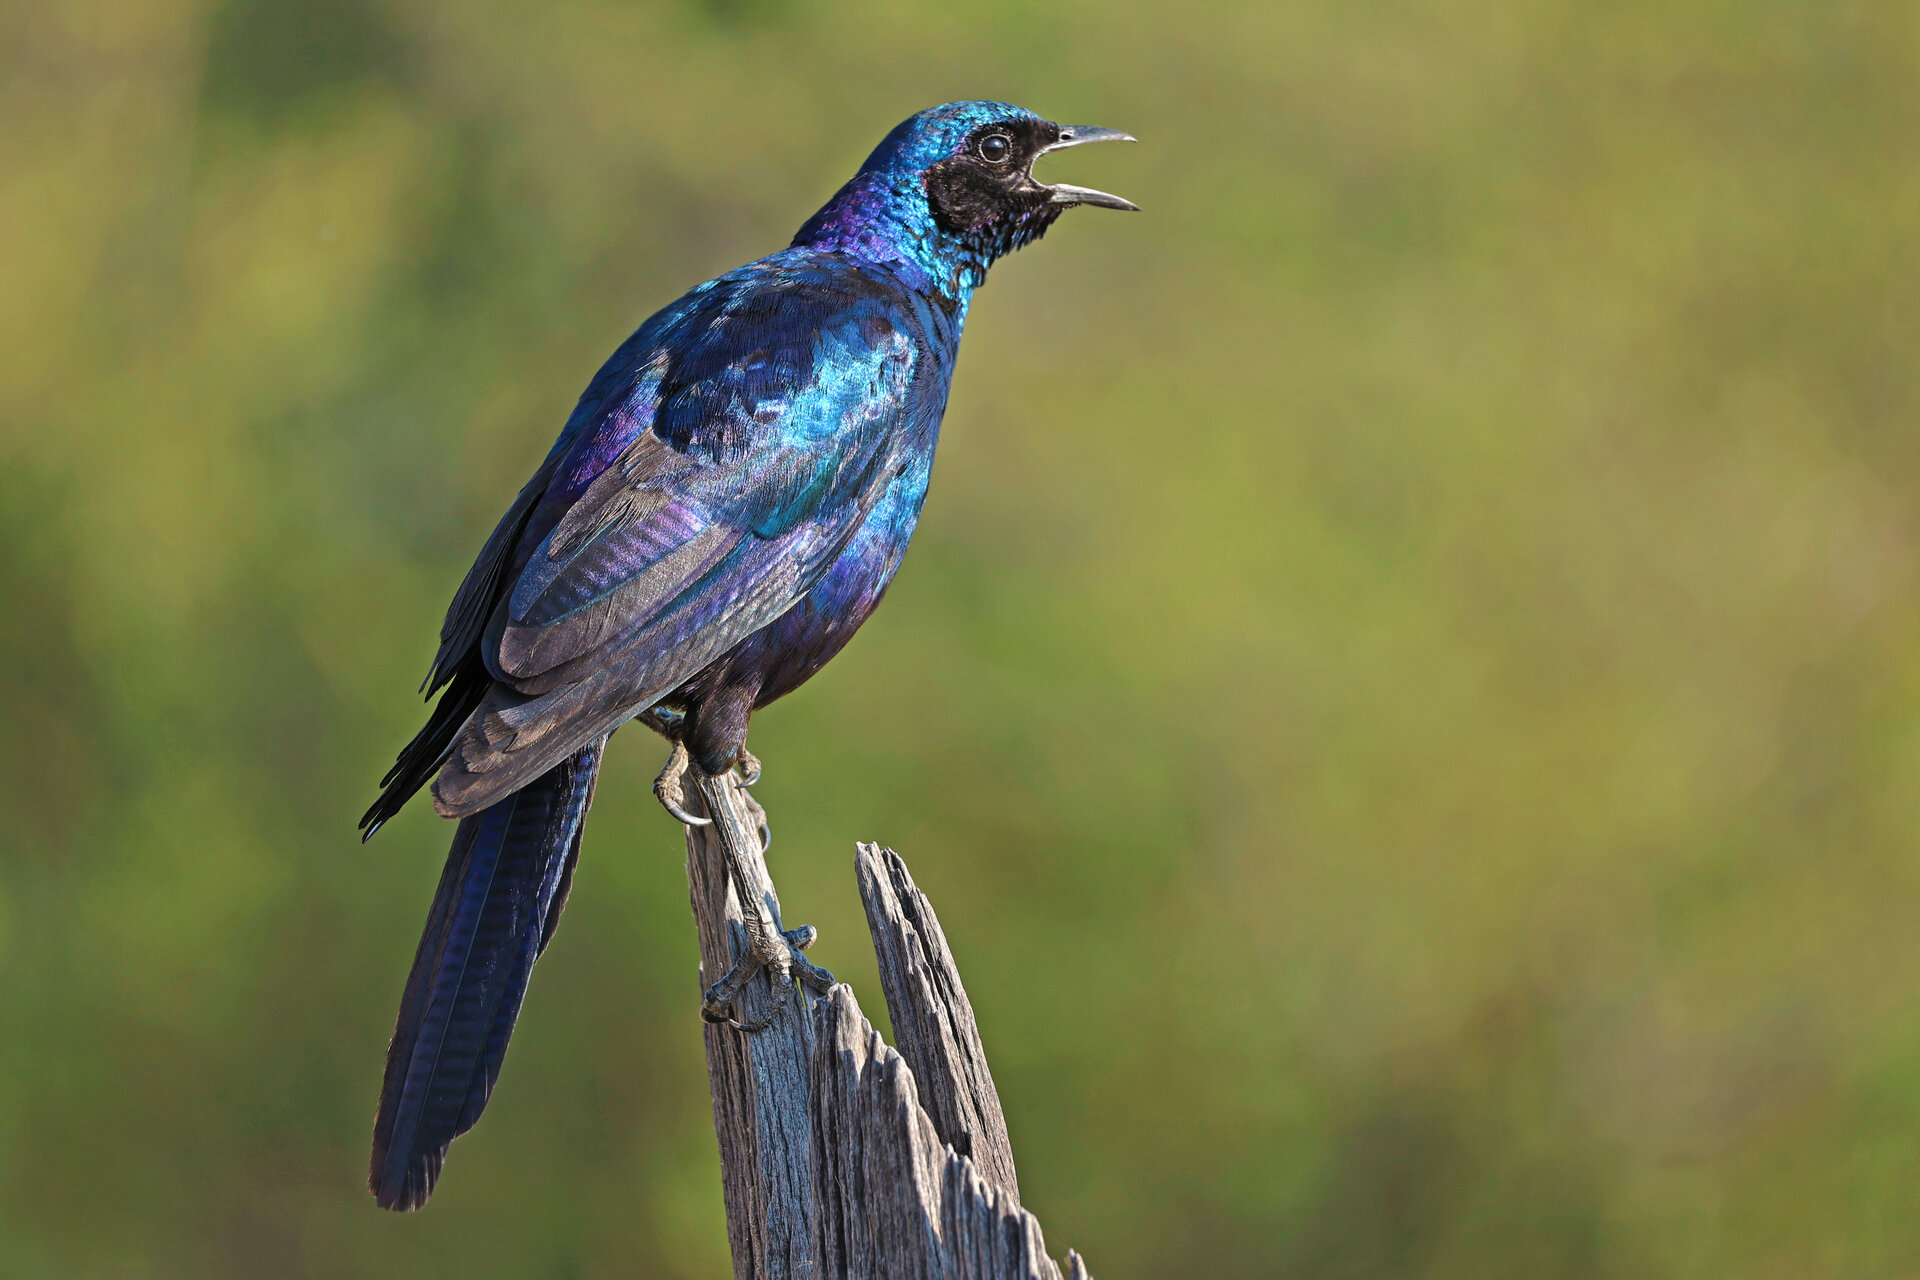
[{"x": 995, "y": 148}]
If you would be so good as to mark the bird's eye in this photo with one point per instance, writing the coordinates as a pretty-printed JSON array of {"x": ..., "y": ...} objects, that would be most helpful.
[{"x": 995, "y": 147}]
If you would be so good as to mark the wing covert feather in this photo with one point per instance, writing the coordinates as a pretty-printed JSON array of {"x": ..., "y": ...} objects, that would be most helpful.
[{"x": 776, "y": 434}]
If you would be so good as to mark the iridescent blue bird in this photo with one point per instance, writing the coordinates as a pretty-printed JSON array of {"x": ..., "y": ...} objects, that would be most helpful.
[{"x": 724, "y": 508}]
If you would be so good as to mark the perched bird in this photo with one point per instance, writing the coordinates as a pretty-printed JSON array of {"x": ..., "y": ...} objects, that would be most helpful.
[{"x": 724, "y": 508}]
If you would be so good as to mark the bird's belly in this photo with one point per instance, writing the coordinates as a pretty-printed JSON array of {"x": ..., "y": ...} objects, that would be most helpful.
[{"x": 807, "y": 636}]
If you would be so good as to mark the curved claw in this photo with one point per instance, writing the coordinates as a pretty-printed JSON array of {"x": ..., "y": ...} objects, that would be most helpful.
[
  {"x": 747, "y": 768},
  {"x": 690, "y": 819},
  {"x": 667, "y": 789}
]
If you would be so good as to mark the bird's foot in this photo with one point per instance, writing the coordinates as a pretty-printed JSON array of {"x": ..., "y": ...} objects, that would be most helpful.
[
  {"x": 664, "y": 721},
  {"x": 766, "y": 948},
  {"x": 747, "y": 768},
  {"x": 669, "y": 791}
]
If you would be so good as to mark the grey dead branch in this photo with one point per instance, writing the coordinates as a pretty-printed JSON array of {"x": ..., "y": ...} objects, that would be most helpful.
[{"x": 843, "y": 1158}]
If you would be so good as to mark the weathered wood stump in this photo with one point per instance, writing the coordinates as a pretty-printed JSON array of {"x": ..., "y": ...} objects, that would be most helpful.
[{"x": 842, "y": 1159}]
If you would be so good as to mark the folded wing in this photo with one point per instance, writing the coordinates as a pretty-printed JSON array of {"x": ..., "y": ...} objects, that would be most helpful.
[{"x": 776, "y": 423}]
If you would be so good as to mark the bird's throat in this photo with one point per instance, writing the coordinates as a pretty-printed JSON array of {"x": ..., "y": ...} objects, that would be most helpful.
[{"x": 887, "y": 220}]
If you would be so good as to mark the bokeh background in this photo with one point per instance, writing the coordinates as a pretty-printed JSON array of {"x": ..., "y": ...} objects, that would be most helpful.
[{"x": 1406, "y": 695}]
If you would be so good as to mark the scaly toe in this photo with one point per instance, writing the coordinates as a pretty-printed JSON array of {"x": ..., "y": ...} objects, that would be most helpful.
[
  {"x": 720, "y": 1003},
  {"x": 722, "y": 1000},
  {"x": 663, "y": 721},
  {"x": 812, "y": 976},
  {"x": 668, "y": 791}
]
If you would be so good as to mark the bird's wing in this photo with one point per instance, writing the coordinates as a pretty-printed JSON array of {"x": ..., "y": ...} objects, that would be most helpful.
[
  {"x": 769, "y": 420},
  {"x": 599, "y": 426}
]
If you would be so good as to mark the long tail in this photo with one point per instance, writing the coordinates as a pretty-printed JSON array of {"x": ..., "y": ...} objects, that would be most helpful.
[{"x": 499, "y": 899}]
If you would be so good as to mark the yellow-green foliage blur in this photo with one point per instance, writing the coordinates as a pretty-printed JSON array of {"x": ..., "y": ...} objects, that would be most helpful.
[{"x": 1406, "y": 695}]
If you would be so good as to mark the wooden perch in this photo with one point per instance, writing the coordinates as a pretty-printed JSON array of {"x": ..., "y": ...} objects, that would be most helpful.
[
  {"x": 892, "y": 1201},
  {"x": 932, "y": 1019},
  {"x": 758, "y": 1080},
  {"x": 842, "y": 1159}
]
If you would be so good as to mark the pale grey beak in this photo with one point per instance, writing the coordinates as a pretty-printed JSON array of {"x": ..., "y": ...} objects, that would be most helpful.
[{"x": 1078, "y": 135}]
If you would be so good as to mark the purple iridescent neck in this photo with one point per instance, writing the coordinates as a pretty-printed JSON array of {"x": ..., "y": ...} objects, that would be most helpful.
[{"x": 884, "y": 217}]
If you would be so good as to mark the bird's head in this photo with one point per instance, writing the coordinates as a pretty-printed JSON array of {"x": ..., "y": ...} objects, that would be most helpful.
[{"x": 952, "y": 188}]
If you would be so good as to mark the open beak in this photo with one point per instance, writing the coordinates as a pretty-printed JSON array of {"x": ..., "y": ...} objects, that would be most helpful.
[{"x": 1079, "y": 135}]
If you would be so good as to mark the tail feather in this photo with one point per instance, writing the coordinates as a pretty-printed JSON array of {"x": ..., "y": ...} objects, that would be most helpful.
[
  {"x": 488, "y": 1069},
  {"x": 499, "y": 899}
]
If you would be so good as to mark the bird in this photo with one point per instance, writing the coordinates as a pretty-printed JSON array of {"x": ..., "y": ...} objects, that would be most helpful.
[{"x": 724, "y": 508}]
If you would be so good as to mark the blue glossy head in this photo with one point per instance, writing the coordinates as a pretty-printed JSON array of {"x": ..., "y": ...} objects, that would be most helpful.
[
  {"x": 921, "y": 141},
  {"x": 951, "y": 189}
]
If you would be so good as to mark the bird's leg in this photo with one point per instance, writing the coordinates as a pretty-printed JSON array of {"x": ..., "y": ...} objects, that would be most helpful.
[
  {"x": 668, "y": 789},
  {"x": 747, "y": 770},
  {"x": 768, "y": 947}
]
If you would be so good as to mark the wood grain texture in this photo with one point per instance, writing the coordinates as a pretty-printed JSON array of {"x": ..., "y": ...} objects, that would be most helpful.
[
  {"x": 842, "y": 1159},
  {"x": 933, "y": 1022},
  {"x": 759, "y": 1081},
  {"x": 892, "y": 1201}
]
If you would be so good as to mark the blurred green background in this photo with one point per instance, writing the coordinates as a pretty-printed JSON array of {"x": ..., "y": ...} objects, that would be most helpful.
[{"x": 1406, "y": 695}]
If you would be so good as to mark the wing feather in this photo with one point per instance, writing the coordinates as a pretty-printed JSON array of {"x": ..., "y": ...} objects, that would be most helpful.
[{"x": 704, "y": 528}]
